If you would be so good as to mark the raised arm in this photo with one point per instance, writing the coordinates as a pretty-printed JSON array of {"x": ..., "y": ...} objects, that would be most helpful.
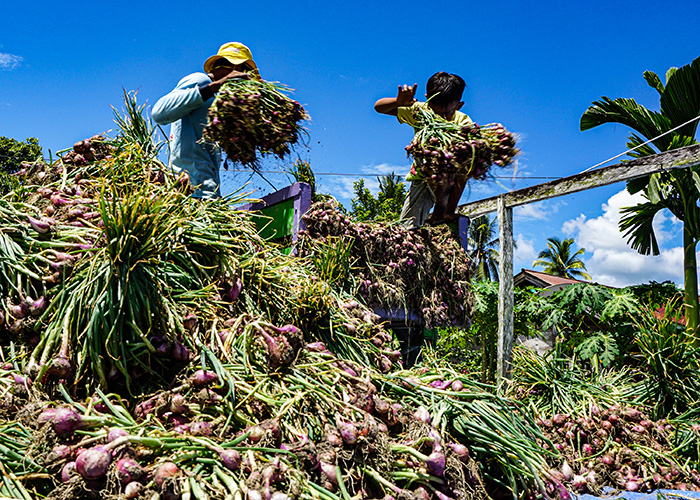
[
  {"x": 184, "y": 98},
  {"x": 190, "y": 93},
  {"x": 389, "y": 105}
]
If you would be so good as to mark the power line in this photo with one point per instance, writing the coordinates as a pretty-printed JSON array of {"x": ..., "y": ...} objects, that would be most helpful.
[
  {"x": 363, "y": 175},
  {"x": 642, "y": 144},
  {"x": 339, "y": 174}
]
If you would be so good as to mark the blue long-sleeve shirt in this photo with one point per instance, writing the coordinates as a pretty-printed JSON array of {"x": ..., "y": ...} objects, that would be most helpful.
[{"x": 186, "y": 111}]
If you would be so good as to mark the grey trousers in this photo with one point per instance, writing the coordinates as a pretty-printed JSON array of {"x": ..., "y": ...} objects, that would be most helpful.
[{"x": 418, "y": 203}]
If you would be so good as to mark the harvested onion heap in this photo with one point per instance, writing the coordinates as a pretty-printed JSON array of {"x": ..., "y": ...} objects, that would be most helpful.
[
  {"x": 620, "y": 446},
  {"x": 393, "y": 267},
  {"x": 446, "y": 151},
  {"x": 252, "y": 118},
  {"x": 88, "y": 150}
]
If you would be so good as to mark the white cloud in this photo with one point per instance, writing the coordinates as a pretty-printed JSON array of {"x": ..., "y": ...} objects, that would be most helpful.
[
  {"x": 611, "y": 261},
  {"x": 524, "y": 253},
  {"x": 341, "y": 187},
  {"x": 385, "y": 169},
  {"x": 531, "y": 211},
  {"x": 536, "y": 211},
  {"x": 9, "y": 61}
]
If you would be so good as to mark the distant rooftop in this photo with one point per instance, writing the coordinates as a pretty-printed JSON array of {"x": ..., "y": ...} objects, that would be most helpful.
[{"x": 528, "y": 277}]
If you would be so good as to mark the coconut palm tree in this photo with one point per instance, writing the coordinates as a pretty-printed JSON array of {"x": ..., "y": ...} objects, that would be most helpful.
[
  {"x": 483, "y": 244},
  {"x": 559, "y": 260},
  {"x": 678, "y": 190}
]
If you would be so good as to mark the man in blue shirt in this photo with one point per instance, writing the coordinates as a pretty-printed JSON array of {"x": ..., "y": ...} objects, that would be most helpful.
[{"x": 186, "y": 107}]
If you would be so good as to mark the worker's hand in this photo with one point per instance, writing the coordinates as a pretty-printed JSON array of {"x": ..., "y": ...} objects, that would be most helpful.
[
  {"x": 236, "y": 75},
  {"x": 406, "y": 95},
  {"x": 232, "y": 75}
]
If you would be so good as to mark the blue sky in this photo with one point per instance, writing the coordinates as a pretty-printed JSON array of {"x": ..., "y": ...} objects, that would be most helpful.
[{"x": 533, "y": 66}]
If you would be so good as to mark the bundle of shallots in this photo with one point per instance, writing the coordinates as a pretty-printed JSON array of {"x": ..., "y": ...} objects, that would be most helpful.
[
  {"x": 445, "y": 151},
  {"x": 253, "y": 118}
]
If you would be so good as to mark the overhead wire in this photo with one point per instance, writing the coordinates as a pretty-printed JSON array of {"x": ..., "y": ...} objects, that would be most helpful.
[
  {"x": 364, "y": 174},
  {"x": 642, "y": 144}
]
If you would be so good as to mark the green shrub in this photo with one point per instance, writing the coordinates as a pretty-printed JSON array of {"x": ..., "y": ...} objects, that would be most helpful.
[{"x": 7, "y": 183}]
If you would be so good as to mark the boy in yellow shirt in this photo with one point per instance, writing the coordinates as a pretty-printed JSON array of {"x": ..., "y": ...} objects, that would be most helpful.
[{"x": 444, "y": 93}]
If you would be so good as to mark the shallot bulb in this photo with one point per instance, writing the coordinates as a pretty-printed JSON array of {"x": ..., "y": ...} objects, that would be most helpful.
[
  {"x": 129, "y": 470},
  {"x": 68, "y": 472},
  {"x": 166, "y": 470},
  {"x": 93, "y": 463},
  {"x": 133, "y": 490},
  {"x": 328, "y": 471},
  {"x": 40, "y": 226},
  {"x": 422, "y": 415},
  {"x": 567, "y": 471},
  {"x": 317, "y": 347},
  {"x": 59, "y": 452},
  {"x": 115, "y": 434},
  {"x": 461, "y": 450},
  {"x": 230, "y": 459},
  {"x": 191, "y": 322},
  {"x": 65, "y": 421},
  {"x": 60, "y": 366},
  {"x": 201, "y": 378},
  {"x": 348, "y": 432},
  {"x": 178, "y": 404},
  {"x": 200, "y": 428},
  {"x": 436, "y": 464}
]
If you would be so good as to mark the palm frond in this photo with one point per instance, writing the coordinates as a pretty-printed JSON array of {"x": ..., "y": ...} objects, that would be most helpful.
[
  {"x": 670, "y": 72},
  {"x": 559, "y": 260},
  {"x": 680, "y": 100},
  {"x": 654, "y": 81},
  {"x": 635, "y": 142},
  {"x": 483, "y": 242},
  {"x": 628, "y": 112},
  {"x": 637, "y": 224}
]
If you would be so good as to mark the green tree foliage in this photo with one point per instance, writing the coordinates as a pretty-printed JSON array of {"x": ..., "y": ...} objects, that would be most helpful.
[
  {"x": 386, "y": 206},
  {"x": 559, "y": 259},
  {"x": 677, "y": 190},
  {"x": 670, "y": 360},
  {"x": 483, "y": 245},
  {"x": 654, "y": 294},
  {"x": 602, "y": 326},
  {"x": 14, "y": 152},
  {"x": 530, "y": 310},
  {"x": 7, "y": 183},
  {"x": 593, "y": 321},
  {"x": 300, "y": 171}
]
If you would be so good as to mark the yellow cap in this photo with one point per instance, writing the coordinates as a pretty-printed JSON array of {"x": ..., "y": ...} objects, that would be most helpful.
[{"x": 235, "y": 53}]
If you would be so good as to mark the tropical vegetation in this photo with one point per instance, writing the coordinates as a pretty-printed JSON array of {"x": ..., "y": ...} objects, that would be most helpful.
[
  {"x": 673, "y": 126},
  {"x": 386, "y": 206},
  {"x": 483, "y": 247},
  {"x": 13, "y": 152},
  {"x": 560, "y": 259}
]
